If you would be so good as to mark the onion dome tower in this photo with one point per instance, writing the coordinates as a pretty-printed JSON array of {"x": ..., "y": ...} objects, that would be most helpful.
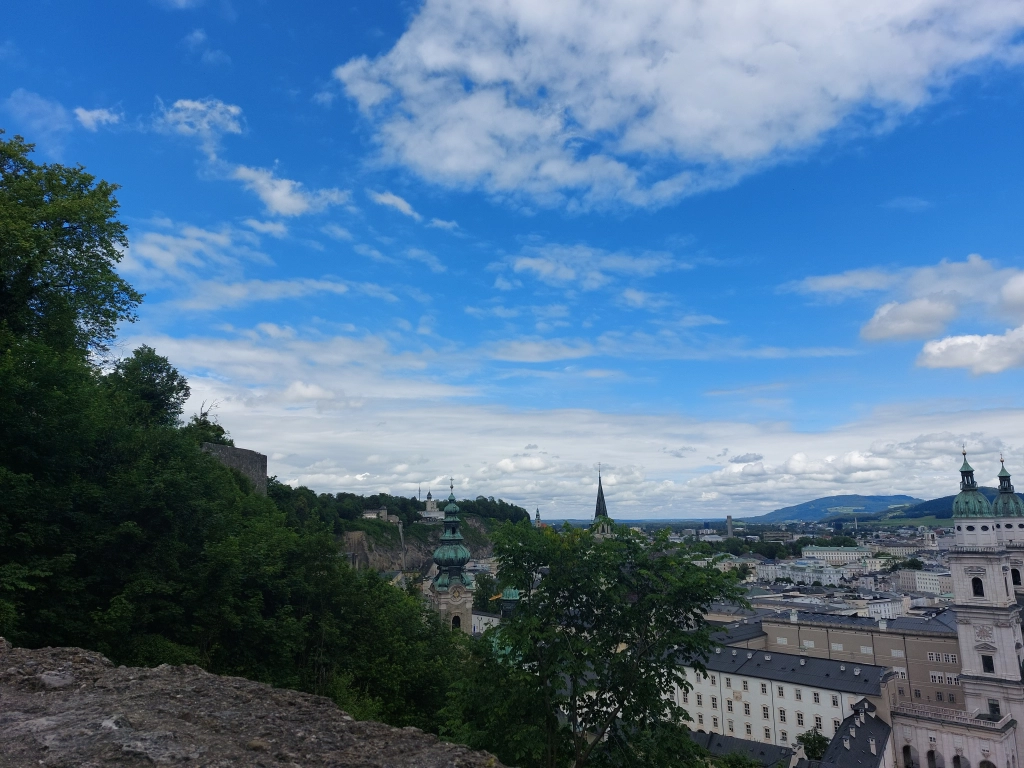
[{"x": 452, "y": 588}]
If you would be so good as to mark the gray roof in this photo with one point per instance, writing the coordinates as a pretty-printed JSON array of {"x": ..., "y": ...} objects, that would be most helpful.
[
  {"x": 859, "y": 754},
  {"x": 738, "y": 632},
  {"x": 768, "y": 755},
  {"x": 786, "y": 668},
  {"x": 942, "y": 623}
]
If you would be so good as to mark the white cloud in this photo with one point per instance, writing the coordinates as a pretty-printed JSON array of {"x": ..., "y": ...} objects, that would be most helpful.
[
  {"x": 631, "y": 297},
  {"x": 644, "y": 102},
  {"x": 204, "y": 119},
  {"x": 442, "y": 224},
  {"x": 335, "y": 232},
  {"x": 914, "y": 319},
  {"x": 588, "y": 268},
  {"x": 43, "y": 121},
  {"x": 211, "y": 295},
  {"x": 286, "y": 197},
  {"x": 850, "y": 283},
  {"x": 92, "y": 119},
  {"x": 908, "y": 204},
  {"x": 392, "y": 200},
  {"x": 992, "y": 353},
  {"x": 539, "y": 350},
  {"x": 273, "y": 228},
  {"x": 418, "y": 254}
]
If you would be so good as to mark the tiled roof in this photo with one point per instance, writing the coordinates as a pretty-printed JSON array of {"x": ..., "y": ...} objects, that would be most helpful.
[
  {"x": 845, "y": 676},
  {"x": 858, "y": 755},
  {"x": 737, "y": 632},
  {"x": 768, "y": 755}
]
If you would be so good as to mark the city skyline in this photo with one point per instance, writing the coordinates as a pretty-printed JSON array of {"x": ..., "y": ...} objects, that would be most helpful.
[{"x": 743, "y": 260}]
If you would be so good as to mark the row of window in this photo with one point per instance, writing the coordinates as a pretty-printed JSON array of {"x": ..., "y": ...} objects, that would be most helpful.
[
  {"x": 945, "y": 658},
  {"x": 939, "y": 695},
  {"x": 780, "y": 691},
  {"x": 765, "y": 712},
  {"x": 749, "y": 730},
  {"x": 939, "y": 677}
]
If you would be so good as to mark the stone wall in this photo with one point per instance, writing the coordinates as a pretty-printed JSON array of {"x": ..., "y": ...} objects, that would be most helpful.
[{"x": 250, "y": 463}]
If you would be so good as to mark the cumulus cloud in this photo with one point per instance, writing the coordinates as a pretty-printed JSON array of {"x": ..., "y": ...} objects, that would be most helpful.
[
  {"x": 42, "y": 120},
  {"x": 92, "y": 119},
  {"x": 746, "y": 458},
  {"x": 915, "y": 319},
  {"x": 204, "y": 119},
  {"x": 392, "y": 200},
  {"x": 645, "y": 102},
  {"x": 991, "y": 353},
  {"x": 286, "y": 197}
]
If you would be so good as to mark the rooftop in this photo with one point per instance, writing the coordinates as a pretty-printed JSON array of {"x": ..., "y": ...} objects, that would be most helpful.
[
  {"x": 768, "y": 755},
  {"x": 863, "y": 679},
  {"x": 851, "y": 746}
]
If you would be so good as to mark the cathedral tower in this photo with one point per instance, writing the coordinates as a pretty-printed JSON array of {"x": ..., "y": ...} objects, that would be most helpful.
[{"x": 452, "y": 589}]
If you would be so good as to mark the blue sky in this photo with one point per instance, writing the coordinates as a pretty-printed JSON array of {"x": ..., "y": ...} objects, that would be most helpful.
[{"x": 743, "y": 254}]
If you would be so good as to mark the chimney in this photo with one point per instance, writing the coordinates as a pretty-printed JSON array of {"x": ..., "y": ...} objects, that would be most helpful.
[
  {"x": 871, "y": 743},
  {"x": 846, "y": 742}
]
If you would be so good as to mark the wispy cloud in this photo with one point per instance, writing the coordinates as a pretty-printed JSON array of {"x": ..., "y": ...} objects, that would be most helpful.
[
  {"x": 211, "y": 295},
  {"x": 392, "y": 200},
  {"x": 441, "y": 224},
  {"x": 286, "y": 197},
  {"x": 908, "y": 204},
  {"x": 336, "y": 232},
  {"x": 204, "y": 119},
  {"x": 198, "y": 43},
  {"x": 586, "y": 267},
  {"x": 43, "y": 120},
  {"x": 92, "y": 119},
  {"x": 272, "y": 228},
  {"x": 418, "y": 254}
]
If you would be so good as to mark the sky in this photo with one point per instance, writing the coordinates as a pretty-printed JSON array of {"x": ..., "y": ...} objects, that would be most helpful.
[{"x": 741, "y": 254}]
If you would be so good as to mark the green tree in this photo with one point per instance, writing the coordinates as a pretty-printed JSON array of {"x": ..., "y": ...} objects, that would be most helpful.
[
  {"x": 912, "y": 564},
  {"x": 60, "y": 242},
  {"x": 486, "y": 588},
  {"x": 593, "y": 652},
  {"x": 814, "y": 744},
  {"x": 152, "y": 386}
]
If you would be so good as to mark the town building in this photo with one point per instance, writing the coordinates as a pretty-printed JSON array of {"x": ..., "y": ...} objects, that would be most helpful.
[
  {"x": 836, "y": 555},
  {"x": 451, "y": 590},
  {"x": 432, "y": 512}
]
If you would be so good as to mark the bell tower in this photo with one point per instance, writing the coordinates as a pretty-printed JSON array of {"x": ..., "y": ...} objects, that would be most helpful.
[
  {"x": 987, "y": 614},
  {"x": 452, "y": 589}
]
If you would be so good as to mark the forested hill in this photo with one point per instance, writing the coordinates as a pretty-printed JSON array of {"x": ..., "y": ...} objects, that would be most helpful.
[
  {"x": 302, "y": 504},
  {"x": 817, "y": 509}
]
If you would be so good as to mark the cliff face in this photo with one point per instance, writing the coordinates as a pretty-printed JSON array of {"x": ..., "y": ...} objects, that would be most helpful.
[
  {"x": 69, "y": 707},
  {"x": 384, "y": 553}
]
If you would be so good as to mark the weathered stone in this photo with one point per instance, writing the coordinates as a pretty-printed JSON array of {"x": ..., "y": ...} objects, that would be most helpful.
[{"x": 126, "y": 716}]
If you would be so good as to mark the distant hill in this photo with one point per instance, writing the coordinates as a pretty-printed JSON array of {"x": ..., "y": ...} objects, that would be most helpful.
[
  {"x": 943, "y": 507},
  {"x": 812, "y": 511}
]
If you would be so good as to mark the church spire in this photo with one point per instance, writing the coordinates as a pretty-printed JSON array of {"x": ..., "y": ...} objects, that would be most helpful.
[{"x": 602, "y": 509}]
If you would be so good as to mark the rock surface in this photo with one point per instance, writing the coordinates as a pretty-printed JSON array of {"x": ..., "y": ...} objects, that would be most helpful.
[{"x": 68, "y": 707}]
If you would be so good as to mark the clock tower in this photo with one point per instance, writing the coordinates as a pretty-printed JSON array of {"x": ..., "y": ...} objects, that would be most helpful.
[{"x": 451, "y": 591}]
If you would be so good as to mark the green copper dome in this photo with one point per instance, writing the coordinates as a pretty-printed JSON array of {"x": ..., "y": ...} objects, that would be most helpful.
[
  {"x": 1007, "y": 503},
  {"x": 451, "y": 554},
  {"x": 970, "y": 502}
]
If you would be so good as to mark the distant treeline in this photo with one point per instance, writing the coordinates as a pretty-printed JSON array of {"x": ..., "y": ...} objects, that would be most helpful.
[{"x": 302, "y": 504}]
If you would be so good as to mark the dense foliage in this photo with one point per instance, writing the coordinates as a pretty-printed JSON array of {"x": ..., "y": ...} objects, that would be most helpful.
[
  {"x": 585, "y": 667},
  {"x": 118, "y": 533}
]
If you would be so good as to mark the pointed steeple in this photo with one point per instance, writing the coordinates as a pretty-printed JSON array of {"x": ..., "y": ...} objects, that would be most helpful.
[
  {"x": 602, "y": 509},
  {"x": 967, "y": 481},
  {"x": 537, "y": 519}
]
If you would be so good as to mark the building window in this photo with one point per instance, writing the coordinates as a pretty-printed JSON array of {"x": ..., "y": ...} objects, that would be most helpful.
[
  {"x": 767, "y": 732},
  {"x": 798, "y": 694},
  {"x": 951, "y": 698},
  {"x": 993, "y": 708},
  {"x": 936, "y": 677},
  {"x": 799, "y": 718},
  {"x": 728, "y": 704},
  {"x": 714, "y": 722},
  {"x": 917, "y": 693},
  {"x": 746, "y": 708},
  {"x": 817, "y": 698},
  {"x": 764, "y": 712},
  {"x": 938, "y": 695},
  {"x": 764, "y": 689},
  {"x": 952, "y": 680},
  {"x": 933, "y": 656},
  {"x": 897, "y": 653},
  {"x": 835, "y": 700},
  {"x": 866, "y": 650},
  {"x": 746, "y": 686},
  {"x": 817, "y": 722},
  {"x": 714, "y": 680},
  {"x": 748, "y": 729},
  {"x": 700, "y": 719},
  {"x": 949, "y": 658},
  {"x": 901, "y": 691},
  {"x": 835, "y": 726},
  {"x": 728, "y": 682},
  {"x": 782, "y": 641},
  {"x": 783, "y": 737},
  {"x": 808, "y": 643},
  {"x": 977, "y": 587},
  {"x": 731, "y": 728},
  {"x": 780, "y": 692},
  {"x": 714, "y": 702},
  {"x": 700, "y": 700},
  {"x": 782, "y": 715},
  {"x": 901, "y": 672},
  {"x": 837, "y": 646},
  {"x": 988, "y": 664}
]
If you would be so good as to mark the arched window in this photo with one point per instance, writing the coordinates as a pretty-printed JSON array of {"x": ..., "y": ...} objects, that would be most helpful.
[
  {"x": 456, "y": 622},
  {"x": 931, "y": 758},
  {"x": 1015, "y": 575},
  {"x": 956, "y": 761},
  {"x": 977, "y": 587},
  {"x": 908, "y": 760}
]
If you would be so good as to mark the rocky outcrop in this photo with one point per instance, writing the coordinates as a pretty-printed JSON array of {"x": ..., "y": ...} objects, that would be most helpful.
[
  {"x": 365, "y": 551},
  {"x": 68, "y": 707}
]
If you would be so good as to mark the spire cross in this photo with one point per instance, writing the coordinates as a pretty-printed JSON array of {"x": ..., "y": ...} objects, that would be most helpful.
[{"x": 451, "y": 486}]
